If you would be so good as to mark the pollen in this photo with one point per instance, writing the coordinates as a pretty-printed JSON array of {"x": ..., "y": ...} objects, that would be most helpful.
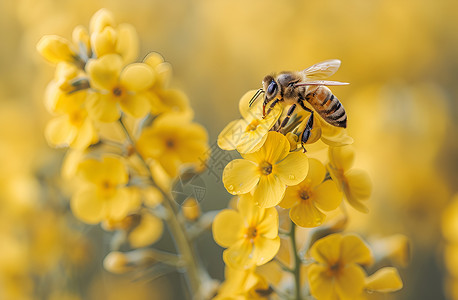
[
  {"x": 117, "y": 92},
  {"x": 251, "y": 233},
  {"x": 266, "y": 168},
  {"x": 304, "y": 194},
  {"x": 252, "y": 126},
  {"x": 170, "y": 143}
]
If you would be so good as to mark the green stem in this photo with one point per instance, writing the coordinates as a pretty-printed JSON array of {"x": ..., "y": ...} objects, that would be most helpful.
[
  {"x": 183, "y": 244},
  {"x": 297, "y": 262}
]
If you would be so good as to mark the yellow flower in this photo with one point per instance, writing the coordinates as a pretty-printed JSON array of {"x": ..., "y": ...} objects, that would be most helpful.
[
  {"x": 148, "y": 231},
  {"x": 356, "y": 184},
  {"x": 249, "y": 133},
  {"x": 164, "y": 99},
  {"x": 107, "y": 38},
  {"x": 384, "y": 280},
  {"x": 250, "y": 234},
  {"x": 60, "y": 93},
  {"x": 173, "y": 140},
  {"x": 57, "y": 49},
  {"x": 103, "y": 194},
  {"x": 243, "y": 285},
  {"x": 74, "y": 129},
  {"x": 266, "y": 172},
  {"x": 117, "y": 86},
  {"x": 336, "y": 272},
  {"x": 311, "y": 196}
]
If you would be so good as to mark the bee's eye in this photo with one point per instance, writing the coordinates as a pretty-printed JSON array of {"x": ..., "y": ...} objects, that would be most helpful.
[{"x": 272, "y": 88}]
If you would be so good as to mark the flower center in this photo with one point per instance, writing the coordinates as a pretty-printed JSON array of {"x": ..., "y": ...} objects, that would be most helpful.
[
  {"x": 252, "y": 126},
  {"x": 77, "y": 118},
  {"x": 335, "y": 268},
  {"x": 251, "y": 233},
  {"x": 170, "y": 143},
  {"x": 107, "y": 188},
  {"x": 265, "y": 167},
  {"x": 304, "y": 194},
  {"x": 117, "y": 91}
]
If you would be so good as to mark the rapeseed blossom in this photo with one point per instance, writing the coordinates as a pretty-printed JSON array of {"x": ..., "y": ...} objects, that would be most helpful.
[
  {"x": 338, "y": 273},
  {"x": 355, "y": 183},
  {"x": 103, "y": 194},
  {"x": 266, "y": 172},
  {"x": 250, "y": 234},
  {"x": 307, "y": 199}
]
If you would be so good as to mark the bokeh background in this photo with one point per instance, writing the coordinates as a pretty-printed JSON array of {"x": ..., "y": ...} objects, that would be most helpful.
[{"x": 400, "y": 56}]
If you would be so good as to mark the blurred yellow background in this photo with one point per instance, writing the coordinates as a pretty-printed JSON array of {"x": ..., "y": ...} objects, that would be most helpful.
[{"x": 400, "y": 56}]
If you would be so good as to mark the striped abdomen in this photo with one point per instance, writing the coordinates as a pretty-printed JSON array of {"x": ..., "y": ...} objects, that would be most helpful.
[{"x": 327, "y": 105}]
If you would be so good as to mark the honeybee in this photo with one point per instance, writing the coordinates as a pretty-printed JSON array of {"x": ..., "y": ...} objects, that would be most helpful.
[{"x": 306, "y": 86}]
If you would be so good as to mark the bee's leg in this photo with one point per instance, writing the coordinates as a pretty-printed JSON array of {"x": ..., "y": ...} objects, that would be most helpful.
[
  {"x": 308, "y": 127},
  {"x": 270, "y": 107},
  {"x": 288, "y": 116}
]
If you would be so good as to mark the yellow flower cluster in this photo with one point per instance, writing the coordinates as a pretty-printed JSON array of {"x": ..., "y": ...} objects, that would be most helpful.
[
  {"x": 130, "y": 135},
  {"x": 274, "y": 175},
  {"x": 96, "y": 81}
]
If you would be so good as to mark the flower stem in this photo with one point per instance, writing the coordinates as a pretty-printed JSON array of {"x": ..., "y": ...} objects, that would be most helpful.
[
  {"x": 297, "y": 262},
  {"x": 182, "y": 243}
]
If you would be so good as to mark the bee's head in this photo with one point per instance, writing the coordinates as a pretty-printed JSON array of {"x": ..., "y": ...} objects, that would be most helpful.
[{"x": 270, "y": 87}]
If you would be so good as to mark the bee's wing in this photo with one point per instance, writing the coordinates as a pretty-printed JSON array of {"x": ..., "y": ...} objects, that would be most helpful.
[
  {"x": 322, "y": 69},
  {"x": 321, "y": 82}
]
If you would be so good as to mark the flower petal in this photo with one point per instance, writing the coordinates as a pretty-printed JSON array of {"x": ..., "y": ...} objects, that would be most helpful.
[
  {"x": 384, "y": 280},
  {"x": 305, "y": 214},
  {"x": 268, "y": 226},
  {"x": 86, "y": 206},
  {"x": 127, "y": 43},
  {"x": 291, "y": 197},
  {"x": 121, "y": 203},
  {"x": 322, "y": 286},
  {"x": 137, "y": 77},
  {"x": 226, "y": 139},
  {"x": 102, "y": 107},
  {"x": 147, "y": 232},
  {"x": 137, "y": 105},
  {"x": 240, "y": 255},
  {"x": 275, "y": 148},
  {"x": 316, "y": 172},
  {"x": 293, "y": 169},
  {"x": 240, "y": 176},
  {"x": 269, "y": 191},
  {"x": 56, "y": 49},
  {"x": 354, "y": 250},
  {"x": 342, "y": 157},
  {"x": 227, "y": 227},
  {"x": 114, "y": 169},
  {"x": 59, "y": 132},
  {"x": 104, "y": 42},
  {"x": 326, "y": 196},
  {"x": 265, "y": 249},
  {"x": 350, "y": 282},
  {"x": 86, "y": 136},
  {"x": 357, "y": 188},
  {"x": 327, "y": 250},
  {"x": 104, "y": 72}
]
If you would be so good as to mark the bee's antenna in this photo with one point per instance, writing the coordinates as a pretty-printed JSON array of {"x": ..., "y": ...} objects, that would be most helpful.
[{"x": 256, "y": 95}]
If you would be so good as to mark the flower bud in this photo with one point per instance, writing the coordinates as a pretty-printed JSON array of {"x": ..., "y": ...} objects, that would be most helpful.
[
  {"x": 100, "y": 20},
  {"x": 191, "y": 209},
  {"x": 81, "y": 38},
  {"x": 56, "y": 49},
  {"x": 116, "y": 262}
]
